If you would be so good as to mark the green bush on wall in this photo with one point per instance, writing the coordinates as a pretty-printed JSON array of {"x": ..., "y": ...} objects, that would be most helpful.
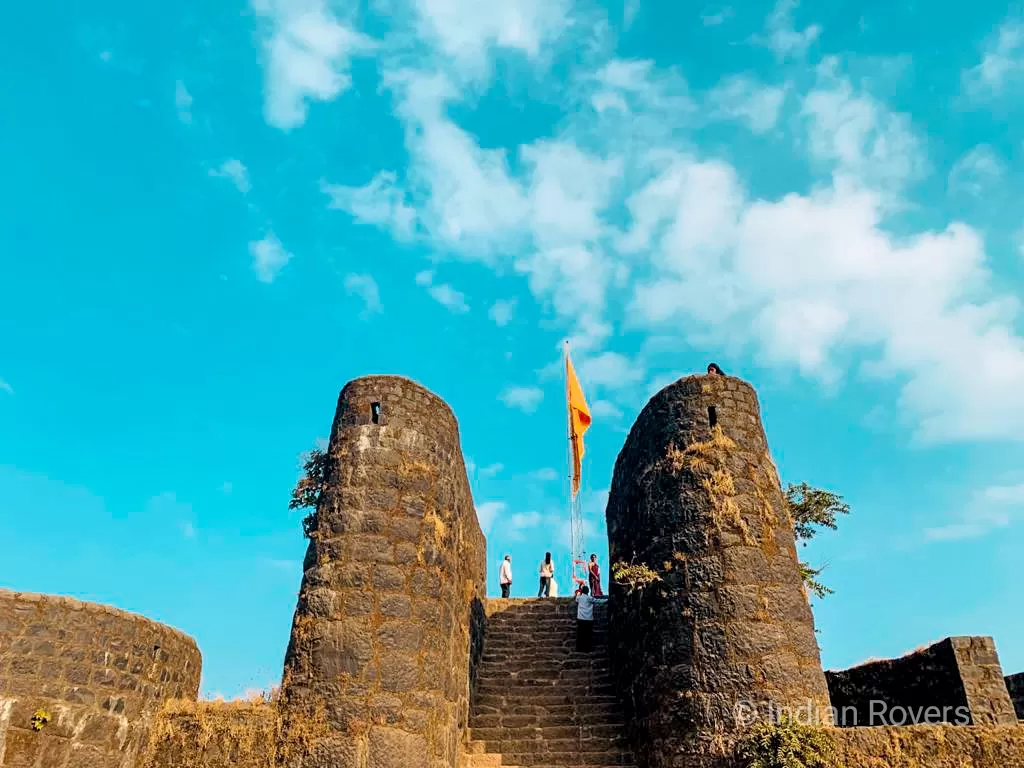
[{"x": 787, "y": 745}]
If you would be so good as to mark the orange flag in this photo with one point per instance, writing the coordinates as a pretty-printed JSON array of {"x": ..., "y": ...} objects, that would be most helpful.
[{"x": 579, "y": 421}]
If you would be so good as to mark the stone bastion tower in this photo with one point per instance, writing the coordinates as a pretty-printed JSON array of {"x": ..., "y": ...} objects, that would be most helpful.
[
  {"x": 696, "y": 498},
  {"x": 389, "y": 619}
]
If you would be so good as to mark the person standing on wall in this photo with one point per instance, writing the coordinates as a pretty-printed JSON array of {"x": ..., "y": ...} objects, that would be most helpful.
[
  {"x": 547, "y": 572},
  {"x": 585, "y": 621},
  {"x": 594, "y": 576},
  {"x": 505, "y": 577}
]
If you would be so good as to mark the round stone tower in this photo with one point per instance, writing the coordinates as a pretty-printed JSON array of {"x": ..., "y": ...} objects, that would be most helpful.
[
  {"x": 724, "y": 634},
  {"x": 390, "y": 611}
]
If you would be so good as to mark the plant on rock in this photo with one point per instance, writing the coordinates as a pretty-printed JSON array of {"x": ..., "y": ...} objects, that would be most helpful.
[
  {"x": 307, "y": 491},
  {"x": 813, "y": 508},
  {"x": 787, "y": 744},
  {"x": 633, "y": 576}
]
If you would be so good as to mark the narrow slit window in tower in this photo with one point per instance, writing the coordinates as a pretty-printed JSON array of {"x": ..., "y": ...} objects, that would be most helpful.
[
  {"x": 375, "y": 412},
  {"x": 712, "y": 416}
]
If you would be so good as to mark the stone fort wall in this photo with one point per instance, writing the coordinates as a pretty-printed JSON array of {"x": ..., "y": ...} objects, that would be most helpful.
[
  {"x": 695, "y": 497},
  {"x": 390, "y": 617},
  {"x": 390, "y": 612},
  {"x": 960, "y": 677},
  {"x": 98, "y": 672}
]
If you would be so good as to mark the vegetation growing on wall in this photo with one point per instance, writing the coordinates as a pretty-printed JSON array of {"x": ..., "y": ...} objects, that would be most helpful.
[
  {"x": 787, "y": 745},
  {"x": 633, "y": 576},
  {"x": 307, "y": 491},
  {"x": 812, "y": 509}
]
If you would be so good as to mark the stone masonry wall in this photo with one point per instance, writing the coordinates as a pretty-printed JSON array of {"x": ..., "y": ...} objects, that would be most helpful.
[
  {"x": 931, "y": 746},
  {"x": 958, "y": 681},
  {"x": 1015, "y": 685},
  {"x": 97, "y": 671},
  {"x": 390, "y": 611},
  {"x": 728, "y": 622}
]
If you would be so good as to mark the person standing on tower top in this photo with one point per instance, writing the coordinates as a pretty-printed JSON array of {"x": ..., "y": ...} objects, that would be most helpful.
[
  {"x": 713, "y": 368},
  {"x": 505, "y": 577}
]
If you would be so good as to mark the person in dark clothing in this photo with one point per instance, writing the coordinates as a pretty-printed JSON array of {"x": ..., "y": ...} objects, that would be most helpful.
[{"x": 713, "y": 368}]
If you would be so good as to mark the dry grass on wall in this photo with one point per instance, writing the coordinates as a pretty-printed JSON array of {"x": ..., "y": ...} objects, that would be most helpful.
[{"x": 226, "y": 734}]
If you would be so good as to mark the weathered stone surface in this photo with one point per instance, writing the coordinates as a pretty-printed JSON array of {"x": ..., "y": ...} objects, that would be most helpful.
[
  {"x": 958, "y": 681},
  {"x": 937, "y": 746},
  {"x": 399, "y": 550},
  {"x": 98, "y": 671},
  {"x": 728, "y": 622},
  {"x": 1015, "y": 685}
]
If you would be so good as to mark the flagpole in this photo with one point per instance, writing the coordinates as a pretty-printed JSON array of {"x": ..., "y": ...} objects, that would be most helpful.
[{"x": 569, "y": 464}]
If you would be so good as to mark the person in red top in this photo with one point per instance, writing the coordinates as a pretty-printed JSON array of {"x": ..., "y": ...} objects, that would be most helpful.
[{"x": 594, "y": 577}]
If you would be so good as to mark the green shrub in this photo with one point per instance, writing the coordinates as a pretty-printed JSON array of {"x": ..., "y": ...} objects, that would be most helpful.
[{"x": 787, "y": 745}]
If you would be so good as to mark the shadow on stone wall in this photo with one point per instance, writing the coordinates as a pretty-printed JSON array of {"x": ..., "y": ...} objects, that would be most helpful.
[{"x": 957, "y": 681}]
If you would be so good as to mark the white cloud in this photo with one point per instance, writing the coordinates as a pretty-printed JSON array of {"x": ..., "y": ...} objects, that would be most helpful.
[
  {"x": 443, "y": 294},
  {"x": 742, "y": 98},
  {"x": 365, "y": 287},
  {"x": 544, "y": 475},
  {"x": 783, "y": 37},
  {"x": 717, "y": 17},
  {"x": 488, "y": 512},
  {"x": 5, "y": 387},
  {"x": 810, "y": 281},
  {"x": 490, "y": 470},
  {"x": 234, "y": 170},
  {"x": 515, "y": 525},
  {"x": 609, "y": 370},
  {"x": 268, "y": 257},
  {"x": 465, "y": 32},
  {"x": 995, "y": 507},
  {"x": 865, "y": 145},
  {"x": 307, "y": 50},
  {"x": 976, "y": 171},
  {"x": 1002, "y": 62},
  {"x": 526, "y": 399},
  {"x": 502, "y": 311},
  {"x": 604, "y": 409},
  {"x": 183, "y": 102},
  {"x": 381, "y": 203},
  {"x": 805, "y": 280},
  {"x": 630, "y": 8}
]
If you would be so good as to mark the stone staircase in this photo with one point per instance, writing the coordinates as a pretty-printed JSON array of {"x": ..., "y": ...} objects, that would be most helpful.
[{"x": 538, "y": 703}]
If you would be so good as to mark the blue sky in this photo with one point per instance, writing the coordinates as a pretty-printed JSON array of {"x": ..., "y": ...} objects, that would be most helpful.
[{"x": 212, "y": 220}]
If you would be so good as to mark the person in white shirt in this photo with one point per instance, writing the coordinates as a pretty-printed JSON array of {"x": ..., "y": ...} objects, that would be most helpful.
[
  {"x": 585, "y": 620},
  {"x": 547, "y": 572},
  {"x": 505, "y": 577}
]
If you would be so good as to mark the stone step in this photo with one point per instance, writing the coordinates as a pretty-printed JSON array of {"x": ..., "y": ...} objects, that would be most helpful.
[
  {"x": 583, "y": 662},
  {"x": 499, "y": 712},
  {"x": 570, "y": 758},
  {"x": 541, "y": 698},
  {"x": 542, "y": 679},
  {"x": 569, "y": 714},
  {"x": 557, "y": 746},
  {"x": 524, "y": 689},
  {"x": 548, "y": 732}
]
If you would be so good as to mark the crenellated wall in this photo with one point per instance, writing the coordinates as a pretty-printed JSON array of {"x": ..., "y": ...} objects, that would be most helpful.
[{"x": 98, "y": 672}]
